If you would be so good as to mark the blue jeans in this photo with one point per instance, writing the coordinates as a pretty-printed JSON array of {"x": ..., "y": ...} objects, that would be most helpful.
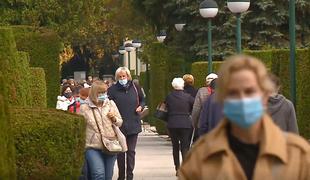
[{"x": 100, "y": 165}]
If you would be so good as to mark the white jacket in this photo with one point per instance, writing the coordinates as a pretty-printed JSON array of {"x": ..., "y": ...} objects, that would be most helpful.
[{"x": 63, "y": 103}]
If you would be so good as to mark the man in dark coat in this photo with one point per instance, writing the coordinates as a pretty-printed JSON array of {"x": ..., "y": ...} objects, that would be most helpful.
[{"x": 130, "y": 102}]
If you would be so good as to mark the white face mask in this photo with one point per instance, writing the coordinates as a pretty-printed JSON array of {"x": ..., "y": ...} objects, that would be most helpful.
[{"x": 123, "y": 81}]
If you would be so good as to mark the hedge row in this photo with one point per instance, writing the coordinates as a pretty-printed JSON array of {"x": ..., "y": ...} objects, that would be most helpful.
[
  {"x": 43, "y": 49},
  {"x": 38, "y": 87},
  {"x": 277, "y": 61},
  {"x": 49, "y": 143},
  {"x": 7, "y": 151},
  {"x": 14, "y": 66}
]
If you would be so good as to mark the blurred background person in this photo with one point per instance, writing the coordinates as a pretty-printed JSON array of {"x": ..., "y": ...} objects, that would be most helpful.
[
  {"x": 179, "y": 105},
  {"x": 189, "y": 85},
  {"x": 66, "y": 101},
  {"x": 247, "y": 144},
  {"x": 281, "y": 109}
]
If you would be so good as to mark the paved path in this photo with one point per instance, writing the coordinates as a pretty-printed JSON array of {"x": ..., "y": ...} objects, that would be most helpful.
[{"x": 153, "y": 159}]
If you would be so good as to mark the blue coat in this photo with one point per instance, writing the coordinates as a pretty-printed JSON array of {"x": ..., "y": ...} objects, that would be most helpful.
[
  {"x": 211, "y": 114},
  {"x": 179, "y": 106},
  {"x": 126, "y": 100}
]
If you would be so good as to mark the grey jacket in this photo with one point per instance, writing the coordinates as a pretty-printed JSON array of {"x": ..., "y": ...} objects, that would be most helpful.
[
  {"x": 282, "y": 112},
  {"x": 200, "y": 98}
]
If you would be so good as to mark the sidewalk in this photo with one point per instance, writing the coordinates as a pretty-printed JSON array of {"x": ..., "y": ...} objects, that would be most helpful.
[{"x": 153, "y": 158}]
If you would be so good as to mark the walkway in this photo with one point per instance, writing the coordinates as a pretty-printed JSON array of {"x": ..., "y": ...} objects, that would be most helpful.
[{"x": 153, "y": 159}]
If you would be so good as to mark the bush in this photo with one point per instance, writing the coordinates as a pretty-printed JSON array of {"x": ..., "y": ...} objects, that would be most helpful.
[
  {"x": 14, "y": 66},
  {"x": 7, "y": 151},
  {"x": 49, "y": 143},
  {"x": 43, "y": 49},
  {"x": 200, "y": 71},
  {"x": 38, "y": 87}
]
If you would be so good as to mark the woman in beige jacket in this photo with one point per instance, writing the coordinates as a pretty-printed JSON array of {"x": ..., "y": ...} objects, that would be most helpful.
[
  {"x": 99, "y": 108},
  {"x": 247, "y": 144}
]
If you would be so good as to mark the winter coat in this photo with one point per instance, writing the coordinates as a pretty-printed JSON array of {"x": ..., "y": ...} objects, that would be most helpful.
[
  {"x": 179, "y": 105},
  {"x": 284, "y": 156},
  {"x": 190, "y": 90},
  {"x": 93, "y": 137},
  {"x": 282, "y": 112},
  {"x": 211, "y": 114},
  {"x": 65, "y": 104},
  {"x": 127, "y": 99},
  {"x": 200, "y": 98}
]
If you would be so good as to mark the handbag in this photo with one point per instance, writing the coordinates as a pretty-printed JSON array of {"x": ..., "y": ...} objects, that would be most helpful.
[
  {"x": 111, "y": 146},
  {"x": 161, "y": 111},
  {"x": 145, "y": 111}
]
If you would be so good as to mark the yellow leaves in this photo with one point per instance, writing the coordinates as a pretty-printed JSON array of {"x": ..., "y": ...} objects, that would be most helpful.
[{"x": 66, "y": 54}]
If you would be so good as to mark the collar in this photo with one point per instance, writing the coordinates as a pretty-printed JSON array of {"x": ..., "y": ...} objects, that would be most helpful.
[{"x": 273, "y": 141}]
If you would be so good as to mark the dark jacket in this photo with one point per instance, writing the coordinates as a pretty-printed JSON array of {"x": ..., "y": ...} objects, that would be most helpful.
[
  {"x": 211, "y": 114},
  {"x": 179, "y": 106},
  {"x": 282, "y": 112},
  {"x": 190, "y": 90},
  {"x": 126, "y": 101}
]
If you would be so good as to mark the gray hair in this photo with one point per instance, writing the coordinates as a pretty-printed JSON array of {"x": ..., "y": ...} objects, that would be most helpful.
[
  {"x": 178, "y": 83},
  {"x": 124, "y": 69}
]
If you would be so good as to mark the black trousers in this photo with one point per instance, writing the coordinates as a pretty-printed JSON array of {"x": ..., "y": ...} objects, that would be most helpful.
[
  {"x": 180, "y": 138},
  {"x": 127, "y": 158}
]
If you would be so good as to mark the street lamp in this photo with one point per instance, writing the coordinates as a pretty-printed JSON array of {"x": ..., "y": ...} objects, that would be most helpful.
[
  {"x": 292, "y": 33},
  {"x": 208, "y": 9},
  {"x": 129, "y": 47},
  {"x": 238, "y": 7},
  {"x": 161, "y": 36},
  {"x": 137, "y": 44},
  {"x": 179, "y": 26},
  {"x": 122, "y": 51}
]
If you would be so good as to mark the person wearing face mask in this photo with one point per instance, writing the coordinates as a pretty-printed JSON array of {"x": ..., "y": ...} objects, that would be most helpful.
[
  {"x": 100, "y": 114},
  {"x": 66, "y": 101},
  {"x": 130, "y": 102},
  {"x": 246, "y": 144}
]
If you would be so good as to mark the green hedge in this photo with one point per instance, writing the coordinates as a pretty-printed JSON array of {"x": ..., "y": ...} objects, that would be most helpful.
[
  {"x": 7, "y": 151},
  {"x": 43, "y": 49},
  {"x": 15, "y": 68},
  {"x": 200, "y": 71},
  {"x": 38, "y": 87},
  {"x": 49, "y": 143}
]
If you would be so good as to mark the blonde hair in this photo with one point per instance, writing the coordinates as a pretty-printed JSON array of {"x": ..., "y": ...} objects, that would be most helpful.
[
  {"x": 242, "y": 62},
  {"x": 96, "y": 88},
  {"x": 188, "y": 79},
  {"x": 120, "y": 69}
]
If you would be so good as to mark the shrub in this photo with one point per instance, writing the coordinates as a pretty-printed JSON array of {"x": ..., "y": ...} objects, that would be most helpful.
[
  {"x": 7, "y": 151},
  {"x": 14, "y": 66},
  {"x": 49, "y": 143},
  {"x": 38, "y": 87},
  {"x": 200, "y": 71},
  {"x": 43, "y": 49}
]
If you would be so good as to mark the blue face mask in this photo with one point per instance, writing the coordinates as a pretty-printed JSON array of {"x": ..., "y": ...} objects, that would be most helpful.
[
  {"x": 123, "y": 82},
  {"x": 102, "y": 97},
  {"x": 82, "y": 101},
  {"x": 244, "y": 112}
]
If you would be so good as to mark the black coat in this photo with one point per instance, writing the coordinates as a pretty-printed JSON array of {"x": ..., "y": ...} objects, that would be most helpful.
[
  {"x": 179, "y": 106},
  {"x": 190, "y": 90},
  {"x": 126, "y": 100}
]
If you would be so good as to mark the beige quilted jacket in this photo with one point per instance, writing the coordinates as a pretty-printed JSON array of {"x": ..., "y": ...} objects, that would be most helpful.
[{"x": 93, "y": 138}]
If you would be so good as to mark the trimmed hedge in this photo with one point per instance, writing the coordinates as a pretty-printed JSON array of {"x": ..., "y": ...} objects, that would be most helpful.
[
  {"x": 15, "y": 68},
  {"x": 7, "y": 151},
  {"x": 49, "y": 143},
  {"x": 43, "y": 49},
  {"x": 200, "y": 71},
  {"x": 38, "y": 87},
  {"x": 277, "y": 61}
]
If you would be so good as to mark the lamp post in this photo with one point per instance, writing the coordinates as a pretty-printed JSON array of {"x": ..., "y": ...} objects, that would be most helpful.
[
  {"x": 292, "y": 50},
  {"x": 238, "y": 7},
  {"x": 122, "y": 51},
  {"x": 161, "y": 36},
  {"x": 179, "y": 26},
  {"x": 129, "y": 47},
  {"x": 208, "y": 9},
  {"x": 137, "y": 44}
]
